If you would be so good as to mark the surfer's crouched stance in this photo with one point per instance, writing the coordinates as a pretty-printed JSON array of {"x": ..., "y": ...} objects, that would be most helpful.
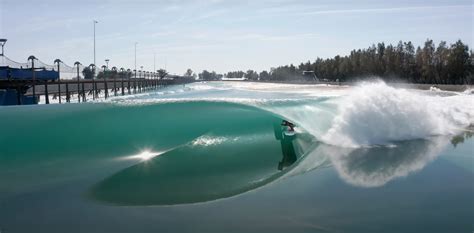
[{"x": 289, "y": 124}]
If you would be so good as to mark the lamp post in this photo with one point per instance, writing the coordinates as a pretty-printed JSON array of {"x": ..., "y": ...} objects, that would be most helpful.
[
  {"x": 106, "y": 88},
  {"x": 95, "y": 22},
  {"x": 148, "y": 81},
  {"x": 58, "y": 61},
  {"x": 140, "y": 81},
  {"x": 33, "y": 58},
  {"x": 135, "y": 82},
  {"x": 145, "y": 74},
  {"x": 122, "y": 73},
  {"x": 78, "y": 96},
  {"x": 129, "y": 74},
  {"x": 2, "y": 43},
  {"x": 107, "y": 62},
  {"x": 114, "y": 73},
  {"x": 94, "y": 86}
]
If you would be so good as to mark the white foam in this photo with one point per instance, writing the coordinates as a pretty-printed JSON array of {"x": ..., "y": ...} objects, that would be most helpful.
[
  {"x": 376, "y": 114},
  {"x": 469, "y": 91},
  {"x": 433, "y": 88},
  {"x": 206, "y": 140}
]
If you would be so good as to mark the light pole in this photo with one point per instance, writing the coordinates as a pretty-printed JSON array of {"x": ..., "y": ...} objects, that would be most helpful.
[
  {"x": 94, "y": 86},
  {"x": 95, "y": 22},
  {"x": 106, "y": 62},
  {"x": 114, "y": 76},
  {"x": 129, "y": 74},
  {"x": 122, "y": 74},
  {"x": 135, "y": 82},
  {"x": 140, "y": 83},
  {"x": 2, "y": 43},
  {"x": 78, "y": 82},
  {"x": 107, "y": 67},
  {"x": 106, "y": 88},
  {"x": 33, "y": 58},
  {"x": 58, "y": 61}
]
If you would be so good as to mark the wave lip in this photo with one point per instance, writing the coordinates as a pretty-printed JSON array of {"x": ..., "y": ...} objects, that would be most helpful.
[{"x": 376, "y": 114}]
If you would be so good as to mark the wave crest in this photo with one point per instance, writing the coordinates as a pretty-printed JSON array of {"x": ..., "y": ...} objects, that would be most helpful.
[{"x": 377, "y": 114}]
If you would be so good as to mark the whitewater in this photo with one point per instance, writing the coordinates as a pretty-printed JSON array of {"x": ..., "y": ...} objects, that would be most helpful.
[{"x": 364, "y": 115}]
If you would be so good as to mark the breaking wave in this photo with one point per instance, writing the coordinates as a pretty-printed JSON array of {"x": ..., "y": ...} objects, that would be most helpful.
[
  {"x": 369, "y": 114},
  {"x": 377, "y": 114}
]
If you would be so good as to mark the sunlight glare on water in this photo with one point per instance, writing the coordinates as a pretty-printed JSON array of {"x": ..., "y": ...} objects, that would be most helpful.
[{"x": 144, "y": 155}]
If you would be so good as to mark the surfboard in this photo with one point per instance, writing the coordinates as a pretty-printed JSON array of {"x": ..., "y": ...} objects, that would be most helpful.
[{"x": 289, "y": 133}]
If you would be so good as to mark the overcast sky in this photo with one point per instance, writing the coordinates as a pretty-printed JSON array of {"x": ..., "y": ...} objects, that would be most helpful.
[{"x": 222, "y": 35}]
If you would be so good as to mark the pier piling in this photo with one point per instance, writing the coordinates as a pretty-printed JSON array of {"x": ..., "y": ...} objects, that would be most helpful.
[
  {"x": 46, "y": 94},
  {"x": 68, "y": 97}
]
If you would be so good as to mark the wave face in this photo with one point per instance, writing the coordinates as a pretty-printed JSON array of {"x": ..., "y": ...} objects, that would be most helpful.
[
  {"x": 154, "y": 154},
  {"x": 238, "y": 149}
]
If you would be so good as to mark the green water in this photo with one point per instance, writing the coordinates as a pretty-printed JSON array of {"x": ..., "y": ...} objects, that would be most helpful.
[{"x": 219, "y": 166}]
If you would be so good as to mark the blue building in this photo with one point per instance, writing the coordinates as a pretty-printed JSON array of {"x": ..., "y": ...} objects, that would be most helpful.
[{"x": 15, "y": 82}]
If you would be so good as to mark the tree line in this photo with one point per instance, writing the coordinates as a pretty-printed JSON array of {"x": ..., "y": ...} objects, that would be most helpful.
[
  {"x": 442, "y": 64},
  {"x": 89, "y": 72}
]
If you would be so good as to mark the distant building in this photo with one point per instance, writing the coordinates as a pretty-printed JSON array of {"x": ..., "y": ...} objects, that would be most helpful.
[{"x": 310, "y": 76}]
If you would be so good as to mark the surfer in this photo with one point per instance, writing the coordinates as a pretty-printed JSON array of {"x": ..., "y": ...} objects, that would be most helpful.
[
  {"x": 287, "y": 148},
  {"x": 289, "y": 125}
]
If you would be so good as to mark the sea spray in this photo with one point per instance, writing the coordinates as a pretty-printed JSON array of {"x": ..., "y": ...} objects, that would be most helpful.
[{"x": 377, "y": 114}]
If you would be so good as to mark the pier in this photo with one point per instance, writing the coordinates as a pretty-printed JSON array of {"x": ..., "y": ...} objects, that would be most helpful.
[
  {"x": 24, "y": 83},
  {"x": 83, "y": 90},
  {"x": 94, "y": 89}
]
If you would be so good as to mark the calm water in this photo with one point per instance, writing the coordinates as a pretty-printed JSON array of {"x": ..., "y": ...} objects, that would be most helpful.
[{"x": 212, "y": 157}]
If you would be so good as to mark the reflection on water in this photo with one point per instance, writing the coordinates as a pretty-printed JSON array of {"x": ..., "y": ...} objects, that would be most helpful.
[
  {"x": 374, "y": 167},
  {"x": 144, "y": 155},
  {"x": 459, "y": 139}
]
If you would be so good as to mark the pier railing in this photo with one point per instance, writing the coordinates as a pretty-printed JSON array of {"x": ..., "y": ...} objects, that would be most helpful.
[{"x": 85, "y": 89}]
